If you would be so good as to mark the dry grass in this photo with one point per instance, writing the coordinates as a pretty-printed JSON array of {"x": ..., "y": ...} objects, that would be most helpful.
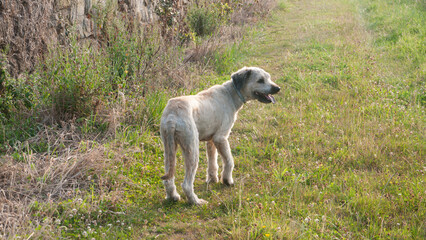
[
  {"x": 251, "y": 11},
  {"x": 63, "y": 172},
  {"x": 72, "y": 163},
  {"x": 203, "y": 52}
]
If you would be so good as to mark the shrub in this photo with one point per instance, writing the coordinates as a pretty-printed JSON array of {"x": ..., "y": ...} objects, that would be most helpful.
[
  {"x": 3, "y": 97},
  {"x": 16, "y": 94},
  {"x": 73, "y": 81},
  {"x": 202, "y": 21}
]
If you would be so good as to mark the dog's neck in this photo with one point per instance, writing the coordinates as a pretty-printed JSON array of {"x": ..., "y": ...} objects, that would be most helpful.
[
  {"x": 238, "y": 92},
  {"x": 236, "y": 96}
]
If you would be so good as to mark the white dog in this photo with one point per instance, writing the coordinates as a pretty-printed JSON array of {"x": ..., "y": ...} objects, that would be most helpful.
[{"x": 208, "y": 116}]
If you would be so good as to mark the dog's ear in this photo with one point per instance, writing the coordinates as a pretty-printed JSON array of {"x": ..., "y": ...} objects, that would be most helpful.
[{"x": 240, "y": 77}]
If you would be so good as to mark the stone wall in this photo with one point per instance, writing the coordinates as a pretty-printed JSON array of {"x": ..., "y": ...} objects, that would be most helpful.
[
  {"x": 82, "y": 14},
  {"x": 28, "y": 27}
]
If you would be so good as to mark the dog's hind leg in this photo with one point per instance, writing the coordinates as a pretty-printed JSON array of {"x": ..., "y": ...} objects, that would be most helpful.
[
  {"x": 212, "y": 163},
  {"x": 190, "y": 147},
  {"x": 170, "y": 148}
]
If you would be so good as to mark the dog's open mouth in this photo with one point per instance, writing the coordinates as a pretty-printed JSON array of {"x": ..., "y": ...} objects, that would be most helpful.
[{"x": 264, "y": 97}]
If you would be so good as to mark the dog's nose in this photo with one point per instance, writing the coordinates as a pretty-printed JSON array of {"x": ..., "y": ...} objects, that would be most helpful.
[{"x": 275, "y": 89}]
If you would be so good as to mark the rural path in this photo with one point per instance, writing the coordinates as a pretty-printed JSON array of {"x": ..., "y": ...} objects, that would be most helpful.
[{"x": 299, "y": 24}]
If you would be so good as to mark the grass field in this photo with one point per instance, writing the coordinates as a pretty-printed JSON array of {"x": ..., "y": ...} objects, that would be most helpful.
[{"x": 341, "y": 155}]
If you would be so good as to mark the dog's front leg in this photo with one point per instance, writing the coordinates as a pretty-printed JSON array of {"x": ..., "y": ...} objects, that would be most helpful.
[
  {"x": 222, "y": 146},
  {"x": 212, "y": 163}
]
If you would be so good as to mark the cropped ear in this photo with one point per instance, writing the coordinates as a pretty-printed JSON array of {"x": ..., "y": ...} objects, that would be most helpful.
[{"x": 240, "y": 77}]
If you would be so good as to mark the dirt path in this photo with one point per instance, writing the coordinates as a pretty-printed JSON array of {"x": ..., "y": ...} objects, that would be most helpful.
[{"x": 298, "y": 24}]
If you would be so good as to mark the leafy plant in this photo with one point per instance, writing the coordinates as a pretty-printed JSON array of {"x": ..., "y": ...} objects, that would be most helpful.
[
  {"x": 73, "y": 81},
  {"x": 202, "y": 20},
  {"x": 15, "y": 94}
]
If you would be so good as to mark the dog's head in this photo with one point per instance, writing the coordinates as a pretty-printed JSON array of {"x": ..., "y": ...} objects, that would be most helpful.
[{"x": 255, "y": 83}]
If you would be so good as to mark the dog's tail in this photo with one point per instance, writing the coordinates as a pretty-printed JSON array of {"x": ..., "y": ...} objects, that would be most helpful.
[{"x": 168, "y": 137}]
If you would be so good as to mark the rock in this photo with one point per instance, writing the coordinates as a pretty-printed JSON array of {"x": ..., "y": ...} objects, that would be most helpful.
[
  {"x": 77, "y": 12},
  {"x": 61, "y": 4},
  {"x": 87, "y": 6},
  {"x": 88, "y": 27}
]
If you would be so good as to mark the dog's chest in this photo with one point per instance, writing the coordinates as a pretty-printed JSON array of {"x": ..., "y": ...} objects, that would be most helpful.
[{"x": 211, "y": 123}]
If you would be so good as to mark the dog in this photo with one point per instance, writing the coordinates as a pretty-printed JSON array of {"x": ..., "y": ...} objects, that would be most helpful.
[{"x": 208, "y": 116}]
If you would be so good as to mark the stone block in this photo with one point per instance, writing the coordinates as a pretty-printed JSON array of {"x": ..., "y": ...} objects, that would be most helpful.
[{"x": 61, "y": 4}]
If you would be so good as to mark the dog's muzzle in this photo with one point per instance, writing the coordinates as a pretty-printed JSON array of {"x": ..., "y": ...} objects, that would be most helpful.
[
  {"x": 267, "y": 97},
  {"x": 275, "y": 89}
]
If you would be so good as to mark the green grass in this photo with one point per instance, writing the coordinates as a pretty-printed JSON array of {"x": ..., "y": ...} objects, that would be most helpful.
[
  {"x": 348, "y": 150},
  {"x": 340, "y": 155}
]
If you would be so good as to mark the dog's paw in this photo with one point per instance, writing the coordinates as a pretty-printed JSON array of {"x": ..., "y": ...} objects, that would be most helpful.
[
  {"x": 200, "y": 202},
  {"x": 227, "y": 181},
  {"x": 173, "y": 198},
  {"x": 212, "y": 179}
]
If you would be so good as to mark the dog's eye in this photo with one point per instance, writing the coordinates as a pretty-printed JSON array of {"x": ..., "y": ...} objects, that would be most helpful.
[{"x": 261, "y": 80}]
